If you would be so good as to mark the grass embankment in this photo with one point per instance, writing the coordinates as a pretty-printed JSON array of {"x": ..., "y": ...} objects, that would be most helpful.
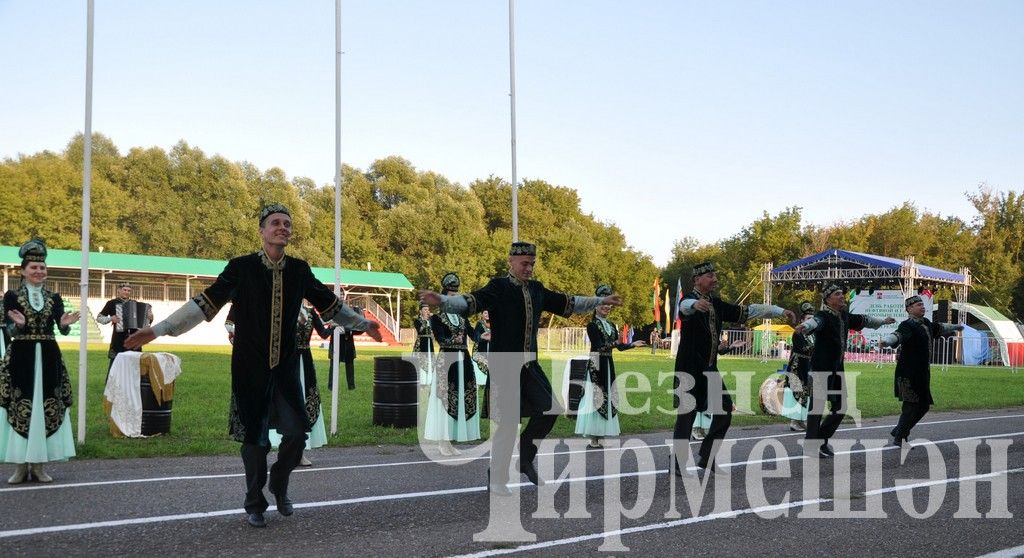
[{"x": 199, "y": 417}]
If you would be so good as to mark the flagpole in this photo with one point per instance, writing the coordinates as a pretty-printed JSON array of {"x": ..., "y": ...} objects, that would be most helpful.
[
  {"x": 83, "y": 332},
  {"x": 512, "y": 104},
  {"x": 336, "y": 336}
]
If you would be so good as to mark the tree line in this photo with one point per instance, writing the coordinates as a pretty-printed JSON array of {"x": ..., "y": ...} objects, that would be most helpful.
[{"x": 185, "y": 203}]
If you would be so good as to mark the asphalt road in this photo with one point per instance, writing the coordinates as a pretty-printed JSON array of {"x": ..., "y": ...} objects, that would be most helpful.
[{"x": 959, "y": 491}]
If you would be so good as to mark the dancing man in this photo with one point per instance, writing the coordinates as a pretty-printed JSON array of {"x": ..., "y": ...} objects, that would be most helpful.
[
  {"x": 702, "y": 314},
  {"x": 831, "y": 326},
  {"x": 265, "y": 289},
  {"x": 516, "y": 302},
  {"x": 912, "y": 383}
]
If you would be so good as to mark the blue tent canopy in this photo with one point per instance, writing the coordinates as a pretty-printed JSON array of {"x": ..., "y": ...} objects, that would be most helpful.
[{"x": 845, "y": 259}]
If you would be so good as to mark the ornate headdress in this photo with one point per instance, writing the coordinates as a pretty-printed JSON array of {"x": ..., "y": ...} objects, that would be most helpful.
[
  {"x": 912, "y": 301},
  {"x": 831, "y": 289},
  {"x": 271, "y": 209},
  {"x": 806, "y": 308},
  {"x": 701, "y": 269},
  {"x": 603, "y": 290},
  {"x": 522, "y": 249},
  {"x": 450, "y": 282},
  {"x": 32, "y": 251}
]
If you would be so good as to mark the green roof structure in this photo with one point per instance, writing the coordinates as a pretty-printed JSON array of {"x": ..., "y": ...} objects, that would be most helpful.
[{"x": 191, "y": 267}]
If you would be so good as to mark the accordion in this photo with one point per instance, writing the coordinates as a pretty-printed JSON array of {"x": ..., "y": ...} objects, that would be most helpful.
[{"x": 134, "y": 315}]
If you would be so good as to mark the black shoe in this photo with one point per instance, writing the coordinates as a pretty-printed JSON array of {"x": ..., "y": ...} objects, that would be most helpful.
[
  {"x": 896, "y": 442},
  {"x": 284, "y": 504},
  {"x": 255, "y": 519},
  {"x": 531, "y": 473},
  {"x": 825, "y": 451}
]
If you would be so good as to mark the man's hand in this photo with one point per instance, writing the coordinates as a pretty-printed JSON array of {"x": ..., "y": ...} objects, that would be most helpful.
[
  {"x": 139, "y": 338},
  {"x": 889, "y": 320},
  {"x": 638, "y": 344},
  {"x": 790, "y": 316},
  {"x": 702, "y": 305},
  {"x": 799, "y": 329},
  {"x": 374, "y": 331},
  {"x": 430, "y": 297},
  {"x": 612, "y": 300},
  {"x": 115, "y": 320}
]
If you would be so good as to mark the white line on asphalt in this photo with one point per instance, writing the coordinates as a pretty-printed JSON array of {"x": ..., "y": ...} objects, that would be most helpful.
[
  {"x": 1006, "y": 553},
  {"x": 59, "y": 486},
  {"x": 710, "y": 517},
  {"x": 444, "y": 492}
]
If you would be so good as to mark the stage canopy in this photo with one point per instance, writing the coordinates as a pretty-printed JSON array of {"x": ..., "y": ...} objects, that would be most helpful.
[{"x": 858, "y": 270}]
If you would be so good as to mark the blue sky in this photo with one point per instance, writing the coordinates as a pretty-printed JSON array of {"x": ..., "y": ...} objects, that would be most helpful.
[{"x": 671, "y": 119}]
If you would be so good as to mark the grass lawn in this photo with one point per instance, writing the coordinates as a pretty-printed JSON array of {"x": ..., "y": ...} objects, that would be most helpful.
[{"x": 199, "y": 418}]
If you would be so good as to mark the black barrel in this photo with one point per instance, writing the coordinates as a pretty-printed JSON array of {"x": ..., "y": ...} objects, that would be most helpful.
[
  {"x": 394, "y": 392},
  {"x": 156, "y": 418},
  {"x": 577, "y": 378}
]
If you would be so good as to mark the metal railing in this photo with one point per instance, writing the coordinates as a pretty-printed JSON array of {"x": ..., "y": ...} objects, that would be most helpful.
[
  {"x": 953, "y": 350},
  {"x": 382, "y": 315}
]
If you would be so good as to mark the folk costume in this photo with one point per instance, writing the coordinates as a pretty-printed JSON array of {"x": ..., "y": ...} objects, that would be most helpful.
[
  {"x": 799, "y": 365},
  {"x": 266, "y": 393},
  {"x": 309, "y": 321},
  {"x": 452, "y": 409},
  {"x": 423, "y": 348},
  {"x": 35, "y": 390},
  {"x": 515, "y": 308},
  {"x": 912, "y": 382},
  {"x": 598, "y": 415},
  {"x": 831, "y": 329},
  {"x": 697, "y": 358}
]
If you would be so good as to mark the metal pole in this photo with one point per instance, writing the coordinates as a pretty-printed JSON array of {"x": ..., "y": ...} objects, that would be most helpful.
[
  {"x": 337, "y": 207},
  {"x": 83, "y": 332},
  {"x": 512, "y": 101}
]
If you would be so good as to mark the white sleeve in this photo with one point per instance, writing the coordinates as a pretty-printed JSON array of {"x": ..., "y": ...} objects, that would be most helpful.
[
  {"x": 873, "y": 322},
  {"x": 102, "y": 319},
  {"x": 686, "y": 306},
  {"x": 454, "y": 304},
  {"x": 584, "y": 304},
  {"x": 182, "y": 320},
  {"x": 347, "y": 317},
  {"x": 810, "y": 324},
  {"x": 760, "y": 311},
  {"x": 891, "y": 340}
]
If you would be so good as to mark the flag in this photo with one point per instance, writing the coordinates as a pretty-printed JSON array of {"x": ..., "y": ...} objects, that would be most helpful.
[
  {"x": 668, "y": 309},
  {"x": 679, "y": 298},
  {"x": 657, "y": 302}
]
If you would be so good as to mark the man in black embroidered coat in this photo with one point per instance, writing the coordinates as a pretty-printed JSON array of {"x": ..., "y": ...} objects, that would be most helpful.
[
  {"x": 515, "y": 303},
  {"x": 701, "y": 314},
  {"x": 912, "y": 383},
  {"x": 266, "y": 290},
  {"x": 831, "y": 327}
]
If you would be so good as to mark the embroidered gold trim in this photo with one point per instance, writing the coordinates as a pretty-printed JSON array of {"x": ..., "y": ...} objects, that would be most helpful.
[
  {"x": 206, "y": 305},
  {"x": 528, "y": 308},
  {"x": 34, "y": 337},
  {"x": 276, "y": 307},
  {"x": 331, "y": 311}
]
